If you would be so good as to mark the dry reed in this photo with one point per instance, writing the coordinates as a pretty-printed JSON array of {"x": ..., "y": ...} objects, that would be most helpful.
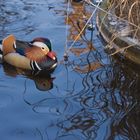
[{"x": 130, "y": 11}]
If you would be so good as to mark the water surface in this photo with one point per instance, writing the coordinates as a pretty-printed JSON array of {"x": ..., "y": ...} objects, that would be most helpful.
[{"x": 91, "y": 97}]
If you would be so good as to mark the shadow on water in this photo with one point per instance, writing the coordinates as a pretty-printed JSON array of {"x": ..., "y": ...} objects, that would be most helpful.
[
  {"x": 108, "y": 106},
  {"x": 92, "y": 96}
]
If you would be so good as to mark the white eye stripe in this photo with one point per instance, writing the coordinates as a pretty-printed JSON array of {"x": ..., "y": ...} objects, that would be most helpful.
[{"x": 40, "y": 44}]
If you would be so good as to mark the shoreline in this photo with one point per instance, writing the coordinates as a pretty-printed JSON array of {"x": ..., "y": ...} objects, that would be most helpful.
[{"x": 131, "y": 50}]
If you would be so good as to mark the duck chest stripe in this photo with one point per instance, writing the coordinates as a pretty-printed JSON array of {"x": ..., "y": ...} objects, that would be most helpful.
[
  {"x": 34, "y": 65},
  {"x": 37, "y": 66},
  {"x": 31, "y": 64}
]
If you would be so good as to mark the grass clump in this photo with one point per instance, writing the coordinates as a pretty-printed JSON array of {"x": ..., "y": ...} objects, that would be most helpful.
[{"x": 128, "y": 10}]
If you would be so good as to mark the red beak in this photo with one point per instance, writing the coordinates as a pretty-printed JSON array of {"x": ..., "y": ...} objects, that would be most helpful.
[{"x": 52, "y": 55}]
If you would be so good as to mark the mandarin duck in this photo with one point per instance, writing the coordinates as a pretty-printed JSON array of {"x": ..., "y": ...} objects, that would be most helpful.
[{"x": 36, "y": 55}]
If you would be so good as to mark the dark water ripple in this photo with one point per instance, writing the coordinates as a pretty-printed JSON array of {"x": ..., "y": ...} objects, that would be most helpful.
[
  {"x": 91, "y": 97},
  {"x": 22, "y": 12}
]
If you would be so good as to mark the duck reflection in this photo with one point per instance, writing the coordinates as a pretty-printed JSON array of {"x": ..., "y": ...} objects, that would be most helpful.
[{"x": 42, "y": 79}]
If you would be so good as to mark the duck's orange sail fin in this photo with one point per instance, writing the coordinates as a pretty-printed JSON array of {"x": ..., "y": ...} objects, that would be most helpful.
[{"x": 7, "y": 44}]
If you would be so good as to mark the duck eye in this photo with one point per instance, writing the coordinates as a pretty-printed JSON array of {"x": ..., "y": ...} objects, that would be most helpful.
[{"x": 43, "y": 48}]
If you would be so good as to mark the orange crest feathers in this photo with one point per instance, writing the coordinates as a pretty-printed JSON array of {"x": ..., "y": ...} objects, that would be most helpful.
[{"x": 7, "y": 44}]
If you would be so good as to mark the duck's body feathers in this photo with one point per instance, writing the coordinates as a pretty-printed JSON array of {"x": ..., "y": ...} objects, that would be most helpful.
[{"x": 21, "y": 46}]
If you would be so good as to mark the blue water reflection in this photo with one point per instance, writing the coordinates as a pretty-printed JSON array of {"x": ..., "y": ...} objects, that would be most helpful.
[{"x": 91, "y": 97}]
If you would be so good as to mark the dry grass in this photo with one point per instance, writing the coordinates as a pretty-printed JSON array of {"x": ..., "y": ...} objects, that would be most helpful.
[{"x": 128, "y": 10}]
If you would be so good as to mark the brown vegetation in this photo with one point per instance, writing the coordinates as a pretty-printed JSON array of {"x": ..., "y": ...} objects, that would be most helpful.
[{"x": 128, "y": 10}]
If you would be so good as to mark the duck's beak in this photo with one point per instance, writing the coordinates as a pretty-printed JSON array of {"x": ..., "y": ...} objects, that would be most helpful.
[{"x": 52, "y": 55}]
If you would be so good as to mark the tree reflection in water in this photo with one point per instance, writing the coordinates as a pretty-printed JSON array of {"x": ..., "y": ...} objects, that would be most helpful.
[{"x": 107, "y": 105}]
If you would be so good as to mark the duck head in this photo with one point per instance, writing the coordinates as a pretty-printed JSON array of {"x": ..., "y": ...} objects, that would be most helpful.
[
  {"x": 43, "y": 45},
  {"x": 41, "y": 51}
]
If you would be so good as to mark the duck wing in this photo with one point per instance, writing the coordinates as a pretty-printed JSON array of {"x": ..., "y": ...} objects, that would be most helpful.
[
  {"x": 10, "y": 45},
  {"x": 21, "y": 46}
]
